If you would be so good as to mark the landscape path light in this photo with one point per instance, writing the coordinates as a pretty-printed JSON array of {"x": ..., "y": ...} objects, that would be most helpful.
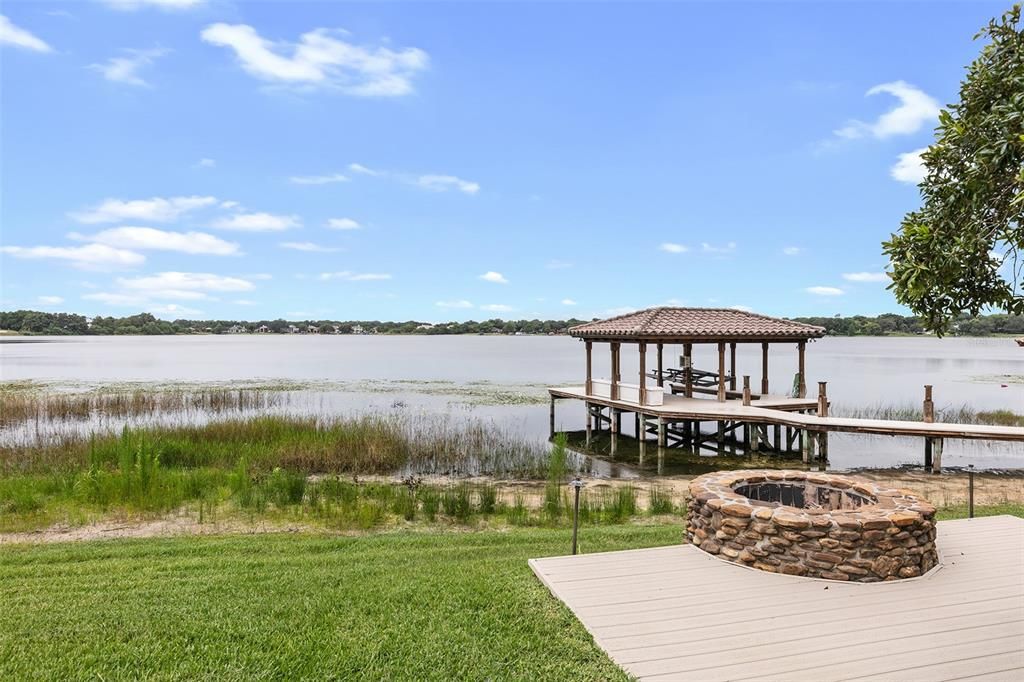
[{"x": 576, "y": 484}]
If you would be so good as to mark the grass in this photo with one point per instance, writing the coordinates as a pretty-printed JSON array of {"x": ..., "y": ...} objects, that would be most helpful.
[
  {"x": 387, "y": 606},
  {"x": 963, "y": 414}
]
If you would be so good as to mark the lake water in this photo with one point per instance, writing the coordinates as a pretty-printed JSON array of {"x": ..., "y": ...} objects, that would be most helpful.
[{"x": 436, "y": 373}]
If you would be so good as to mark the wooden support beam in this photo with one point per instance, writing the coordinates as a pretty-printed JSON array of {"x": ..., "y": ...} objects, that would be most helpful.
[
  {"x": 590, "y": 426},
  {"x": 746, "y": 390},
  {"x": 661, "y": 432},
  {"x": 642, "y": 436},
  {"x": 764, "y": 368},
  {"x": 802, "y": 386},
  {"x": 732, "y": 366},
  {"x": 928, "y": 408},
  {"x": 614, "y": 436},
  {"x": 589, "y": 386},
  {"x": 937, "y": 464},
  {"x": 552, "y": 418},
  {"x": 928, "y": 454},
  {"x": 661, "y": 365},
  {"x": 643, "y": 372},
  {"x": 721, "y": 371},
  {"x": 822, "y": 399},
  {"x": 687, "y": 371},
  {"x": 721, "y": 431},
  {"x": 615, "y": 370},
  {"x": 755, "y": 437}
]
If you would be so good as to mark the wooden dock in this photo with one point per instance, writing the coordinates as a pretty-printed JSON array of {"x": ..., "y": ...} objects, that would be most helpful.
[{"x": 677, "y": 613}]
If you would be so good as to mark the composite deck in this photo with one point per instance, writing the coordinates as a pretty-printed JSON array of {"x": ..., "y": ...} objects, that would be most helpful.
[
  {"x": 676, "y": 613},
  {"x": 772, "y": 409}
]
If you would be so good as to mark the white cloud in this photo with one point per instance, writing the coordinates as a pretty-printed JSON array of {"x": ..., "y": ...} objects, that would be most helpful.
[
  {"x": 670, "y": 247},
  {"x": 915, "y": 108},
  {"x": 257, "y": 222},
  {"x": 454, "y": 304},
  {"x": 88, "y": 257},
  {"x": 343, "y": 224},
  {"x": 321, "y": 59},
  {"x": 824, "y": 291},
  {"x": 149, "y": 238},
  {"x": 497, "y": 308},
  {"x": 156, "y": 209},
  {"x": 243, "y": 301},
  {"x": 443, "y": 183},
  {"x": 495, "y": 277},
  {"x": 131, "y": 5},
  {"x": 568, "y": 301},
  {"x": 308, "y": 246},
  {"x": 207, "y": 163},
  {"x": 792, "y": 250},
  {"x": 558, "y": 265},
  {"x": 49, "y": 300},
  {"x": 710, "y": 248},
  {"x": 16, "y": 36},
  {"x": 260, "y": 276},
  {"x": 347, "y": 276},
  {"x": 865, "y": 277},
  {"x": 178, "y": 282},
  {"x": 116, "y": 299},
  {"x": 621, "y": 310},
  {"x": 230, "y": 204},
  {"x": 360, "y": 168},
  {"x": 317, "y": 179},
  {"x": 909, "y": 167},
  {"x": 126, "y": 69},
  {"x": 172, "y": 309}
]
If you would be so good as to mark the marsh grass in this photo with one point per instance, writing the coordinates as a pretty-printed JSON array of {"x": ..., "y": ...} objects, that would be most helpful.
[{"x": 962, "y": 414}]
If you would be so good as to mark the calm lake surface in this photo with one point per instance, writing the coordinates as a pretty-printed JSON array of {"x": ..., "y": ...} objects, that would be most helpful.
[{"x": 468, "y": 375}]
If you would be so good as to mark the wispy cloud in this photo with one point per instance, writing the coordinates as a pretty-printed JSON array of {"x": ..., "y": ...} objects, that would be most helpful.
[
  {"x": 792, "y": 250},
  {"x": 454, "y": 304},
  {"x": 865, "y": 277},
  {"x": 343, "y": 224},
  {"x": 309, "y": 246},
  {"x": 497, "y": 308},
  {"x": 172, "y": 284},
  {"x": 317, "y": 179},
  {"x": 909, "y": 167},
  {"x": 556, "y": 264},
  {"x": 206, "y": 163},
  {"x": 915, "y": 108},
  {"x": 347, "y": 276},
  {"x": 321, "y": 59},
  {"x": 257, "y": 222},
  {"x": 824, "y": 291},
  {"x": 149, "y": 238},
  {"x": 125, "y": 69},
  {"x": 672, "y": 247},
  {"x": 155, "y": 209},
  {"x": 88, "y": 257},
  {"x": 15, "y": 36},
  {"x": 721, "y": 250},
  {"x": 495, "y": 277},
  {"x": 363, "y": 170},
  {"x": 49, "y": 300},
  {"x": 568, "y": 301},
  {"x": 443, "y": 183},
  {"x": 131, "y": 5}
]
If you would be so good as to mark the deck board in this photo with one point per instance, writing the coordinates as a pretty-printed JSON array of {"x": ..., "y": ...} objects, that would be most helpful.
[{"x": 676, "y": 613}]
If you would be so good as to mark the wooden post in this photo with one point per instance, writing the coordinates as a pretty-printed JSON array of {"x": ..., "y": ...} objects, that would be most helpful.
[
  {"x": 764, "y": 368},
  {"x": 641, "y": 434},
  {"x": 928, "y": 453},
  {"x": 755, "y": 439},
  {"x": 643, "y": 372},
  {"x": 552, "y": 417},
  {"x": 937, "y": 467},
  {"x": 687, "y": 373},
  {"x": 615, "y": 370},
  {"x": 732, "y": 366},
  {"x": 721, "y": 432},
  {"x": 822, "y": 399},
  {"x": 929, "y": 406},
  {"x": 589, "y": 385},
  {"x": 746, "y": 390},
  {"x": 618, "y": 421},
  {"x": 662, "y": 438},
  {"x": 802, "y": 386},
  {"x": 721, "y": 371},
  {"x": 661, "y": 365},
  {"x": 590, "y": 425},
  {"x": 614, "y": 434}
]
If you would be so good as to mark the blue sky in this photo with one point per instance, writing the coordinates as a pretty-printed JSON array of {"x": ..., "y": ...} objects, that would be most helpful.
[{"x": 434, "y": 161}]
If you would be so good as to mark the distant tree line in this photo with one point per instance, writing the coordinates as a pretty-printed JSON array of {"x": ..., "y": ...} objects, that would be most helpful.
[{"x": 56, "y": 324}]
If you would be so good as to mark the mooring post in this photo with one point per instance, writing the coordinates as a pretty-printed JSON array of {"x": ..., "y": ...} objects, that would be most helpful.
[
  {"x": 823, "y": 412},
  {"x": 661, "y": 432},
  {"x": 615, "y": 417},
  {"x": 642, "y": 436},
  {"x": 590, "y": 423},
  {"x": 746, "y": 390},
  {"x": 970, "y": 491},
  {"x": 937, "y": 466},
  {"x": 928, "y": 409},
  {"x": 552, "y": 418}
]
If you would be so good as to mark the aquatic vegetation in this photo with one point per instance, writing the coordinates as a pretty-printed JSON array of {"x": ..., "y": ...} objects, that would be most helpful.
[{"x": 963, "y": 414}]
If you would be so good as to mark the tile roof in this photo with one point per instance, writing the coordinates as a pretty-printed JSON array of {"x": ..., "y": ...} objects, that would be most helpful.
[{"x": 712, "y": 324}]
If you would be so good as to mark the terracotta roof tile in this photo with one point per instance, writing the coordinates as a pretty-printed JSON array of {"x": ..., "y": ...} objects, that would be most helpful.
[{"x": 697, "y": 323}]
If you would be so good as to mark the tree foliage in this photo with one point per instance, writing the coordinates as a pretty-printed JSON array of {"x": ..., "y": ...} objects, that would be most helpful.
[{"x": 959, "y": 252}]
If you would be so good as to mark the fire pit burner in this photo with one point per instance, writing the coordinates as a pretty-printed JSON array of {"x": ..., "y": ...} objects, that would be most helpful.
[{"x": 812, "y": 524}]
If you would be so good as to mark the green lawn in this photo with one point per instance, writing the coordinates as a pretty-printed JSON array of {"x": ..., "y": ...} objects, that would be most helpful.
[{"x": 409, "y": 605}]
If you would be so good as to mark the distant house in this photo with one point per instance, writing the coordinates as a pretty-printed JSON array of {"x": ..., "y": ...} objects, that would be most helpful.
[
  {"x": 358, "y": 329},
  {"x": 292, "y": 329},
  {"x": 263, "y": 329},
  {"x": 238, "y": 329},
  {"x": 425, "y": 326},
  {"x": 312, "y": 329},
  {"x": 336, "y": 328}
]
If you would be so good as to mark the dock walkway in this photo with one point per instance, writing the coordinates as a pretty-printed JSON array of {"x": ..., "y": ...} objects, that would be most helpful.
[{"x": 677, "y": 613}]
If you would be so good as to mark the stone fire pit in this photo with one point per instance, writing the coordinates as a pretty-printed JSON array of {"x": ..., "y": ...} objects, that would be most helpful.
[{"x": 812, "y": 524}]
